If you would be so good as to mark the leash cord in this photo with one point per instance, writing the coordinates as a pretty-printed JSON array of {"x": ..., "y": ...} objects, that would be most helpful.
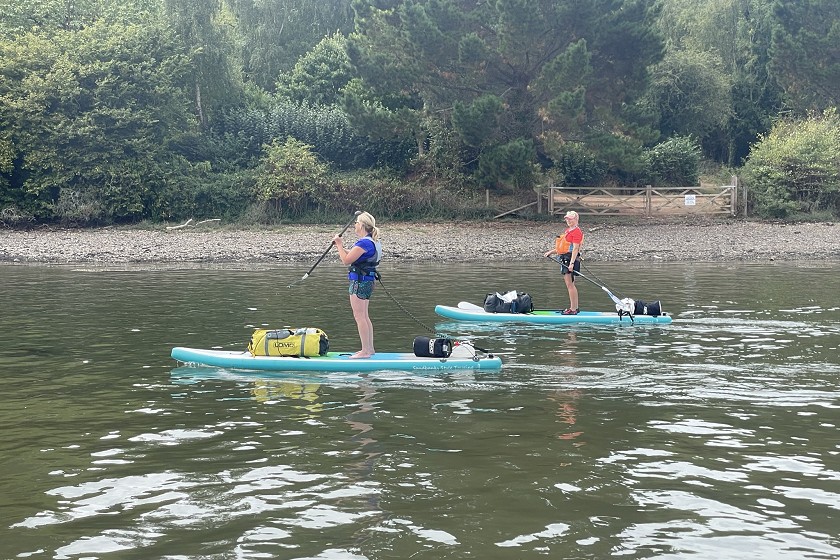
[
  {"x": 419, "y": 322},
  {"x": 406, "y": 311}
]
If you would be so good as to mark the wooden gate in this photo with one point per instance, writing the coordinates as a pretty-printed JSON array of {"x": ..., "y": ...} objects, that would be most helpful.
[{"x": 647, "y": 201}]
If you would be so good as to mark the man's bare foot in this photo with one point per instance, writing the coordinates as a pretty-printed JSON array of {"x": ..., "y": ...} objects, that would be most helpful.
[{"x": 361, "y": 354}]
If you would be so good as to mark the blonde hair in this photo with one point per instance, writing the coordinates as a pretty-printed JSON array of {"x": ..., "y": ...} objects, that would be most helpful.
[{"x": 370, "y": 224}]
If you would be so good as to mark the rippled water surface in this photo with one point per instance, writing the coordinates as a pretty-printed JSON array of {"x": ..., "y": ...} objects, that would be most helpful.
[{"x": 713, "y": 437}]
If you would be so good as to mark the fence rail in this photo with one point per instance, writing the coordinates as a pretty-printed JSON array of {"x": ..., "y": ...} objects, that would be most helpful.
[{"x": 647, "y": 201}]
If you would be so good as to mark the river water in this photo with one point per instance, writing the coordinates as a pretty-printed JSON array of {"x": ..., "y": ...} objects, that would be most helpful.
[{"x": 713, "y": 437}]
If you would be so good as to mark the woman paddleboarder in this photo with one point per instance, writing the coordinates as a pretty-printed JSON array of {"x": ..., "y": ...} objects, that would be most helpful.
[
  {"x": 567, "y": 249},
  {"x": 362, "y": 258}
]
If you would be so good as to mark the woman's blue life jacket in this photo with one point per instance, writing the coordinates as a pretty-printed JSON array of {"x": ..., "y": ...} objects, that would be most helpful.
[{"x": 364, "y": 269}]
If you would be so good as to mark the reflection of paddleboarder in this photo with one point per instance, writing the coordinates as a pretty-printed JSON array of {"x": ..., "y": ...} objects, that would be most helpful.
[
  {"x": 361, "y": 421},
  {"x": 567, "y": 401},
  {"x": 362, "y": 470},
  {"x": 568, "y": 350},
  {"x": 567, "y": 413}
]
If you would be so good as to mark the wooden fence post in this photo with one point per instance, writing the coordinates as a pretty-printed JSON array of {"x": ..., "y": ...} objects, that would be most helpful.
[{"x": 742, "y": 188}]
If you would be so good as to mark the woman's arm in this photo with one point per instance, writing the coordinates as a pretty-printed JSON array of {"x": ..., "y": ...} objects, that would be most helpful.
[
  {"x": 348, "y": 257},
  {"x": 576, "y": 250}
]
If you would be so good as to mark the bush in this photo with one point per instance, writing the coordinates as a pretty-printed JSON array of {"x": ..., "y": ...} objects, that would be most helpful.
[
  {"x": 578, "y": 165},
  {"x": 508, "y": 166},
  {"x": 796, "y": 167},
  {"x": 12, "y": 216},
  {"x": 324, "y": 127},
  {"x": 75, "y": 207},
  {"x": 203, "y": 195},
  {"x": 673, "y": 163},
  {"x": 290, "y": 178},
  {"x": 386, "y": 196}
]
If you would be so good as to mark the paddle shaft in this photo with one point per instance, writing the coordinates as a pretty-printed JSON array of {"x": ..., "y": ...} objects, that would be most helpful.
[
  {"x": 572, "y": 270},
  {"x": 327, "y": 250}
]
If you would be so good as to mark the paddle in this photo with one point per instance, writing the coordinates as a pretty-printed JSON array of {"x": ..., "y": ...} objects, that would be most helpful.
[
  {"x": 585, "y": 277},
  {"x": 324, "y": 254}
]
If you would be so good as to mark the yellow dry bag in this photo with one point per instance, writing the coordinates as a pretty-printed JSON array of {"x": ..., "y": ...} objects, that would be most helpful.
[{"x": 289, "y": 342}]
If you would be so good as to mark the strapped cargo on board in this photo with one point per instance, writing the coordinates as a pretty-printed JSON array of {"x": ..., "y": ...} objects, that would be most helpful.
[
  {"x": 631, "y": 307},
  {"x": 302, "y": 342},
  {"x": 426, "y": 347},
  {"x": 511, "y": 302}
]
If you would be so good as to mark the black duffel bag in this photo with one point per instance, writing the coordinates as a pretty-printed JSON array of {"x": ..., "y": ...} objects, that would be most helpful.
[
  {"x": 426, "y": 347},
  {"x": 652, "y": 308},
  {"x": 494, "y": 303},
  {"x": 523, "y": 303}
]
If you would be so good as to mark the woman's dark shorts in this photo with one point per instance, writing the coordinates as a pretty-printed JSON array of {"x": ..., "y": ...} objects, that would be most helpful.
[
  {"x": 362, "y": 289},
  {"x": 565, "y": 268}
]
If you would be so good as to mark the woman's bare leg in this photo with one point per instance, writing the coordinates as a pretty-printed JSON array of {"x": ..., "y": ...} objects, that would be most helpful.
[
  {"x": 573, "y": 293},
  {"x": 364, "y": 324}
]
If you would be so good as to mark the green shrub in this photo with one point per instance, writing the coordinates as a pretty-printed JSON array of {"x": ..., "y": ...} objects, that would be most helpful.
[
  {"x": 578, "y": 164},
  {"x": 324, "y": 127},
  {"x": 291, "y": 178},
  {"x": 508, "y": 166},
  {"x": 796, "y": 167},
  {"x": 673, "y": 163},
  {"x": 203, "y": 194},
  {"x": 387, "y": 196}
]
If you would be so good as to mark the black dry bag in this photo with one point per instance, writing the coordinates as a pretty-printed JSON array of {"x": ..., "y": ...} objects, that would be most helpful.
[
  {"x": 522, "y": 303},
  {"x": 652, "y": 308},
  {"x": 425, "y": 347},
  {"x": 495, "y": 303}
]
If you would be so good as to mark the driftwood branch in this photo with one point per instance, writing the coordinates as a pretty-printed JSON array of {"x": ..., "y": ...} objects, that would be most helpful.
[{"x": 189, "y": 223}]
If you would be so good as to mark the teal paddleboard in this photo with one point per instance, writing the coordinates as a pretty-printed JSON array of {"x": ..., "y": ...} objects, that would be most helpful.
[
  {"x": 466, "y": 311},
  {"x": 332, "y": 361}
]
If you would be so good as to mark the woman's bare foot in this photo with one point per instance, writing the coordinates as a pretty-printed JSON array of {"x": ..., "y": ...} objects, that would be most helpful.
[{"x": 361, "y": 354}]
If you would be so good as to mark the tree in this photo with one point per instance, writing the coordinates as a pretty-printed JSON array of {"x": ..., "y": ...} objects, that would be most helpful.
[
  {"x": 320, "y": 75},
  {"x": 565, "y": 68},
  {"x": 205, "y": 28},
  {"x": 796, "y": 167},
  {"x": 731, "y": 38},
  {"x": 692, "y": 94},
  {"x": 805, "y": 53},
  {"x": 88, "y": 115},
  {"x": 276, "y": 33},
  {"x": 45, "y": 17}
]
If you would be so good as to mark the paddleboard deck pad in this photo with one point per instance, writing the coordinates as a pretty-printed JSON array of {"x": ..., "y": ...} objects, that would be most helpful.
[
  {"x": 466, "y": 311},
  {"x": 332, "y": 361}
]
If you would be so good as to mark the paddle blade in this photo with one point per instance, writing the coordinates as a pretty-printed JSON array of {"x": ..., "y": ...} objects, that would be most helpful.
[
  {"x": 612, "y": 297},
  {"x": 298, "y": 281}
]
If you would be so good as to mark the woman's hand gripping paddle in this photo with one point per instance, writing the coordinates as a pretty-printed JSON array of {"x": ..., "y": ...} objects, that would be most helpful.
[{"x": 324, "y": 254}]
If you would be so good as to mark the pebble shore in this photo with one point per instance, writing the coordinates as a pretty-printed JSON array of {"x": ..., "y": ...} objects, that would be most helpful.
[{"x": 509, "y": 241}]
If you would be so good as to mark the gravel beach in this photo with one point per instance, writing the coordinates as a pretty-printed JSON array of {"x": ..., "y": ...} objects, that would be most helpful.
[{"x": 727, "y": 240}]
